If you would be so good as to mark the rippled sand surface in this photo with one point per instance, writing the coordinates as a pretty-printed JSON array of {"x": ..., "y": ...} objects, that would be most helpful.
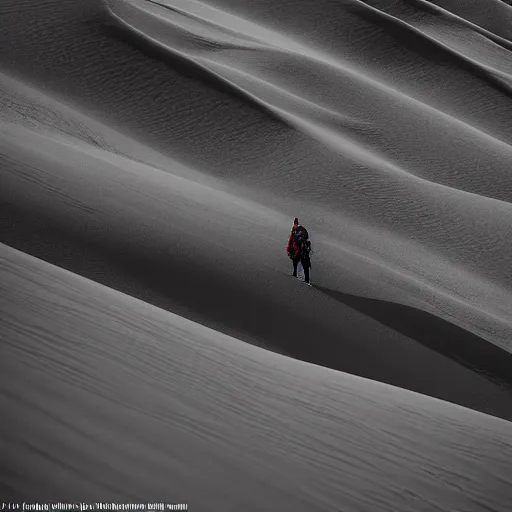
[{"x": 155, "y": 153}]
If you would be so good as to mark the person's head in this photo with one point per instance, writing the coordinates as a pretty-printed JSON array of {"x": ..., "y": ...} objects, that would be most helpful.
[{"x": 296, "y": 221}]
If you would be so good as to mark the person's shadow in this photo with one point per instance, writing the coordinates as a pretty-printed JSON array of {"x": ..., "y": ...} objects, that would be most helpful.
[{"x": 435, "y": 333}]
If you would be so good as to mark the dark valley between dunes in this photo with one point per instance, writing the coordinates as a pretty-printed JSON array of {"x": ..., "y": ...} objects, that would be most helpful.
[{"x": 154, "y": 345}]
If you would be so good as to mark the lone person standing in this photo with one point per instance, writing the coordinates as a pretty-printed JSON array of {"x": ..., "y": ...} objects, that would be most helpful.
[{"x": 299, "y": 249}]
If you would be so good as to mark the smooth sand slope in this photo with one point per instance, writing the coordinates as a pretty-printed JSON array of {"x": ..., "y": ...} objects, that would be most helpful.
[
  {"x": 161, "y": 149},
  {"x": 149, "y": 233},
  {"x": 199, "y": 227},
  {"x": 403, "y": 185},
  {"x": 110, "y": 398},
  {"x": 394, "y": 117}
]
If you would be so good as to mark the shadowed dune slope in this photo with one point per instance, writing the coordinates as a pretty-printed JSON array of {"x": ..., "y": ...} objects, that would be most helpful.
[
  {"x": 106, "y": 398},
  {"x": 161, "y": 148},
  {"x": 149, "y": 233}
]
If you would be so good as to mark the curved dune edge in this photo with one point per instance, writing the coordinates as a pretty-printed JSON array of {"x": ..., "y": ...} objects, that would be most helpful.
[
  {"x": 222, "y": 55},
  {"x": 494, "y": 16},
  {"x": 81, "y": 195},
  {"x": 137, "y": 229},
  {"x": 150, "y": 183},
  {"x": 112, "y": 399}
]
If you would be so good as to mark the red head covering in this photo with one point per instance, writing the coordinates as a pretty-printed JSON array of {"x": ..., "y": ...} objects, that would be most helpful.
[{"x": 296, "y": 221}]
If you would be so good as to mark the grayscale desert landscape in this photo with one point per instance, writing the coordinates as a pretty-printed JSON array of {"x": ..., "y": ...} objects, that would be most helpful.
[{"x": 154, "y": 345}]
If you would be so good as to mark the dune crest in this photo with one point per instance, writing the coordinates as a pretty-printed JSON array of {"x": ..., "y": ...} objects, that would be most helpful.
[
  {"x": 161, "y": 148},
  {"x": 153, "y": 344}
]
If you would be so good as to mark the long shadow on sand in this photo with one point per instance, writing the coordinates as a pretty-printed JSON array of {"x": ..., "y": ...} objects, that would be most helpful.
[
  {"x": 435, "y": 333},
  {"x": 328, "y": 330}
]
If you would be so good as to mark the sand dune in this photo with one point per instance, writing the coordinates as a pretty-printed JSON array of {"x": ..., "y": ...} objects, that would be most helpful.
[
  {"x": 144, "y": 231},
  {"x": 161, "y": 149},
  {"x": 110, "y": 398}
]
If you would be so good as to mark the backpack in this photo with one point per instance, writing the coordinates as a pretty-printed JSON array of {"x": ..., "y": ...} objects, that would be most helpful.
[{"x": 299, "y": 237}]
